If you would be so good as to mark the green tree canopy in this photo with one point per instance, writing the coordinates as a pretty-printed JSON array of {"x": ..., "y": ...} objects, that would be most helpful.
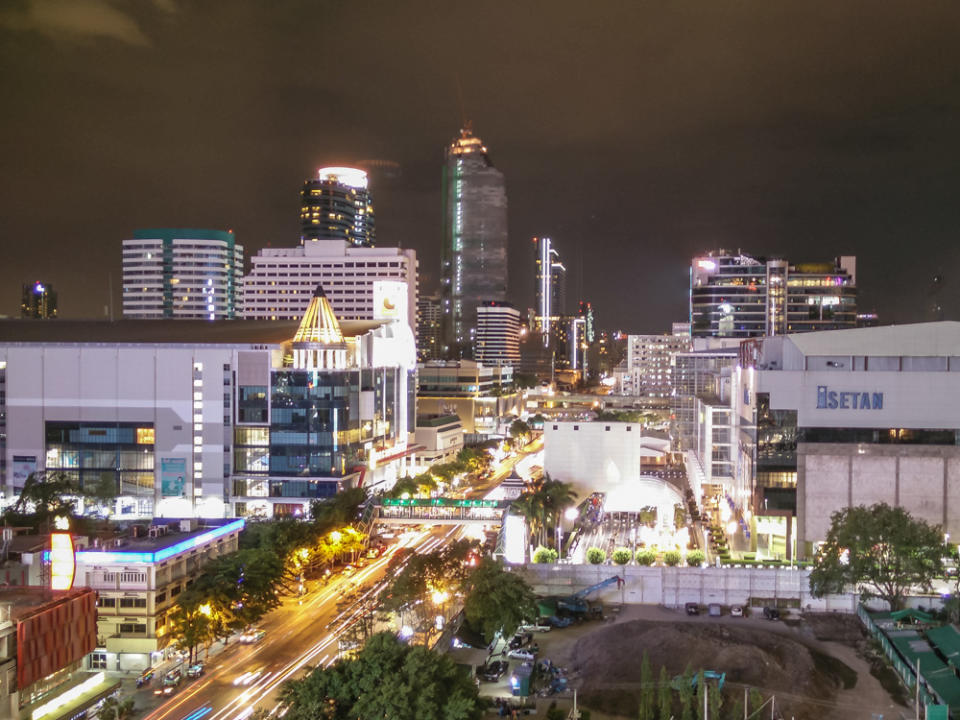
[
  {"x": 387, "y": 679},
  {"x": 882, "y": 550},
  {"x": 497, "y": 600}
]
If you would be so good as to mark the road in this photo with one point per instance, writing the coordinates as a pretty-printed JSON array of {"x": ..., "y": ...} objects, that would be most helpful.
[
  {"x": 242, "y": 678},
  {"x": 503, "y": 469}
]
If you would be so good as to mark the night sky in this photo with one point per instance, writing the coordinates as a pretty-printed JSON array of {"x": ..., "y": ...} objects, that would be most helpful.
[{"x": 636, "y": 134}]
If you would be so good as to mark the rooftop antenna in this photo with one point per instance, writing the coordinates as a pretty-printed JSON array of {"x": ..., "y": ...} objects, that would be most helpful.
[{"x": 465, "y": 124}]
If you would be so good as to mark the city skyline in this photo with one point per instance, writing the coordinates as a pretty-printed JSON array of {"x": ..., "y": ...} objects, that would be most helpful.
[{"x": 638, "y": 137}]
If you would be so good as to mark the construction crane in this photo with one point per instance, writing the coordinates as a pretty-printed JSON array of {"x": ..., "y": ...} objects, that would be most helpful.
[{"x": 577, "y": 602}]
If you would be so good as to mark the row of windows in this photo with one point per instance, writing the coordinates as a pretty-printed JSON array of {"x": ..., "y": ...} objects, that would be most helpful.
[{"x": 123, "y": 602}]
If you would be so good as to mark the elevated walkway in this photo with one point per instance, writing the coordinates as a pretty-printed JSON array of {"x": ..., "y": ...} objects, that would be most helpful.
[{"x": 437, "y": 511}]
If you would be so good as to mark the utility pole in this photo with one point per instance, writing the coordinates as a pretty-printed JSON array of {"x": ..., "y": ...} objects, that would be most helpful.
[
  {"x": 916, "y": 702},
  {"x": 746, "y": 703},
  {"x": 706, "y": 691}
]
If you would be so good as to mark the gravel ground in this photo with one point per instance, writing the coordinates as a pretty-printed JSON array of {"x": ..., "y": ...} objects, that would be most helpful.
[{"x": 814, "y": 666}]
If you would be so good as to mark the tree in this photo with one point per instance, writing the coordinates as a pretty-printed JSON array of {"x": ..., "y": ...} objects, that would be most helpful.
[
  {"x": 665, "y": 695},
  {"x": 190, "y": 626},
  {"x": 545, "y": 555},
  {"x": 695, "y": 558},
  {"x": 648, "y": 690},
  {"x": 879, "y": 549},
  {"x": 45, "y": 497},
  {"x": 686, "y": 694},
  {"x": 497, "y": 601},
  {"x": 114, "y": 708},
  {"x": 622, "y": 555},
  {"x": 337, "y": 511},
  {"x": 596, "y": 556},
  {"x": 645, "y": 556},
  {"x": 520, "y": 432},
  {"x": 671, "y": 558},
  {"x": 387, "y": 679}
]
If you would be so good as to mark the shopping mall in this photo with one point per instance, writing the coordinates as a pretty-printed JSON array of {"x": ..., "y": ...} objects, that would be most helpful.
[
  {"x": 181, "y": 418},
  {"x": 828, "y": 420}
]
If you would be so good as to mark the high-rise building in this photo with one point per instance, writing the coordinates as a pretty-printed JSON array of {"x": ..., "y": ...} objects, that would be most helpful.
[
  {"x": 429, "y": 315},
  {"x": 474, "y": 253},
  {"x": 182, "y": 273},
  {"x": 361, "y": 283},
  {"x": 736, "y": 295},
  {"x": 551, "y": 288},
  {"x": 337, "y": 205},
  {"x": 650, "y": 364},
  {"x": 39, "y": 301},
  {"x": 498, "y": 334}
]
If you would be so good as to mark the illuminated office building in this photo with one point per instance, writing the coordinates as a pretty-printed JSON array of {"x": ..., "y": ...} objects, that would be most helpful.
[
  {"x": 337, "y": 205},
  {"x": 736, "y": 295},
  {"x": 474, "y": 252},
  {"x": 498, "y": 334},
  {"x": 182, "y": 273},
  {"x": 39, "y": 301},
  {"x": 550, "y": 288}
]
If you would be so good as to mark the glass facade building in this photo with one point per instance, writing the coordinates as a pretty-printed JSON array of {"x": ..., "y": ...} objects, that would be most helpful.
[
  {"x": 736, "y": 295},
  {"x": 337, "y": 205},
  {"x": 474, "y": 252}
]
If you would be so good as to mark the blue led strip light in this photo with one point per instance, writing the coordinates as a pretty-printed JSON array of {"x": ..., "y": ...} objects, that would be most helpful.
[{"x": 95, "y": 557}]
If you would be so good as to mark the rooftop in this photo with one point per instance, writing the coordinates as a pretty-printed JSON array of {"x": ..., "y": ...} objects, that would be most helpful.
[
  {"x": 27, "y": 600},
  {"x": 154, "y": 332},
  {"x": 436, "y": 420},
  {"x": 156, "y": 549},
  {"x": 933, "y": 339}
]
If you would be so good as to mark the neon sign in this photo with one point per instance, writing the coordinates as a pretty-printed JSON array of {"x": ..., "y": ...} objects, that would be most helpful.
[{"x": 63, "y": 564}]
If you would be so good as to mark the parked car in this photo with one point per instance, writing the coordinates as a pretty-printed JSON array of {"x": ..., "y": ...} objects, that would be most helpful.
[
  {"x": 770, "y": 613},
  {"x": 520, "y": 654},
  {"x": 692, "y": 608},
  {"x": 195, "y": 670},
  {"x": 736, "y": 611},
  {"x": 714, "y": 610},
  {"x": 536, "y": 627},
  {"x": 348, "y": 571},
  {"x": 494, "y": 671}
]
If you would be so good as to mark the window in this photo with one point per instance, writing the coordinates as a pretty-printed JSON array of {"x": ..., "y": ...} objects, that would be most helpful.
[
  {"x": 174, "y": 591},
  {"x": 133, "y": 602},
  {"x": 107, "y": 602},
  {"x": 555, "y": 427},
  {"x": 98, "y": 661},
  {"x": 629, "y": 428},
  {"x": 132, "y": 628},
  {"x": 576, "y": 427},
  {"x": 161, "y": 597},
  {"x": 133, "y": 577},
  {"x": 606, "y": 428}
]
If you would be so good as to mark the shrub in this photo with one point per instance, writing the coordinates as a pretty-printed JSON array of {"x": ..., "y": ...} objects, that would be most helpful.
[
  {"x": 646, "y": 557},
  {"x": 695, "y": 558},
  {"x": 671, "y": 558},
  {"x": 622, "y": 555},
  {"x": 544, "y": 555},
  {"x": 595, "y": 556}
]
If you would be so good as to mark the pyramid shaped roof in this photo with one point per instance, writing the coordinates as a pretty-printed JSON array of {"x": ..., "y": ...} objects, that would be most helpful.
[{"x": 319, "y": 324}]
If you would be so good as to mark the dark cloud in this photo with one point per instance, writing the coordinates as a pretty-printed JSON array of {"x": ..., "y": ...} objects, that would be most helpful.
[{"x": 636, "y": 134}]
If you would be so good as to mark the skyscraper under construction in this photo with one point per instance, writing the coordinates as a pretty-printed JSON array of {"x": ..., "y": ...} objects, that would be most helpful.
[{"x": 474, "y": 253}]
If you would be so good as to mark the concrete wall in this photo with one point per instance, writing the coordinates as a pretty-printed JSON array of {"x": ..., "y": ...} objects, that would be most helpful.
[
  {"x": 922, "y": 479},
  {"x": 673, "y": 587}
]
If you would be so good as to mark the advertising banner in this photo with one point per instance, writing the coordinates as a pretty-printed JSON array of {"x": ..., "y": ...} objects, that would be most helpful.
[
  {"x": 173, "y": 473},
  {"x": 23, "y": 466},
  {"x": 389, "y": 300}
]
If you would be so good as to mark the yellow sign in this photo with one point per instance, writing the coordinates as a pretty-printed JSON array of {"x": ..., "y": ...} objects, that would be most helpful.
[{"x": 62, "y": 563}]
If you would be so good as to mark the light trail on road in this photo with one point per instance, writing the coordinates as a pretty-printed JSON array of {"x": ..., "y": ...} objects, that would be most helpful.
[{"x": 261, "y": 687}]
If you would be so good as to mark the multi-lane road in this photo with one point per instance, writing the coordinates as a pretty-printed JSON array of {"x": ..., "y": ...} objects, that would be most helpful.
[{"x": 299, "y": 635}]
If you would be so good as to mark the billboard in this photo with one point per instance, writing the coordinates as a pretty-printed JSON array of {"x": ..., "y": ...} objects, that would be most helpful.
[
  {"x": 23, "y": 466},
  {"x": 389, "y": 300},
  {"x": 173, "y": 473}
]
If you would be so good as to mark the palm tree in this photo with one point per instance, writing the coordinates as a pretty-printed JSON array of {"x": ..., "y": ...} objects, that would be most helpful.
[
  {"x": 557, "y": 497},
  {"x": 530, "y": 505}
]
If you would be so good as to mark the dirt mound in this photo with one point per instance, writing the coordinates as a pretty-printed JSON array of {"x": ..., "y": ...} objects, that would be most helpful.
[
  {"x": 608, "y": 661},
  {"x": 835, "y": 627}
]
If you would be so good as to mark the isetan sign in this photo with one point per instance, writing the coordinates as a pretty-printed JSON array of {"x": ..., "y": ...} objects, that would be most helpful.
[{"x": 828, "y": 399}]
